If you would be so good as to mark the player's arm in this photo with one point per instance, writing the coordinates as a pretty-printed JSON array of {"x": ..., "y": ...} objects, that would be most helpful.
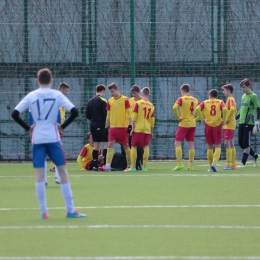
[
  {"x": 108, "y": 116},
  {"x": 152, "y": 122},
  {"x": 199, "y": 109},
  {"x": 237, "y": 115},
  {"x": 19, "y": 120},
  {"x": 224, "y": 114},
  {"x": 134, "y": 118},
  {"x": 73, "y": 114},
  {"x": 88, "y": 113},
  {"x": 231, "y": 113},
  {"x": 104, "y": 107},
  {"x": 128, "y": 111},
  {"x": 175, "y": 107},
  {"x": 256, "y": 107}
]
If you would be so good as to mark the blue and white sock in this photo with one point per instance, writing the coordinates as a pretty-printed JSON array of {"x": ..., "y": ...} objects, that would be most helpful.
[{"x": 41, "y": 196}]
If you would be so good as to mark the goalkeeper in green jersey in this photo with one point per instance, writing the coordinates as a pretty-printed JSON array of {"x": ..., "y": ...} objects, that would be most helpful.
[{"x": 247, "y": 124}]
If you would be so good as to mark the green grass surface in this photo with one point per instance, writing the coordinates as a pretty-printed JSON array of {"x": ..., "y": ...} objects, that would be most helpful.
[{"x": 156, "y": 215}]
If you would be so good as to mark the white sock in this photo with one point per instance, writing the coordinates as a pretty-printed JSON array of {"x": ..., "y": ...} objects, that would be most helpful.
[
  {"x": 45, "y": 172},
  {"x": 68, "y": 198},
  {"x": 41, "y": 196},
  {"x": 57, "y": 173}
]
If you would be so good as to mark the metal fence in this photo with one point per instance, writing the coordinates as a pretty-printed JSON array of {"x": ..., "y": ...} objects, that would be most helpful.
[{"x": 157, "y": 43}]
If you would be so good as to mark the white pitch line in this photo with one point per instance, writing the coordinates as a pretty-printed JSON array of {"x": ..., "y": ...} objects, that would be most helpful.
[
  {"x": 129, "y": 257},
  {"x": 131, "y": 227},
  {"x": 142, "y": 207}
]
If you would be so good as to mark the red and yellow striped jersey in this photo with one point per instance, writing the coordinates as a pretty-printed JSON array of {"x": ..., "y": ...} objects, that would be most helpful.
[
  {"x": 211, "y": 109},
  {"x": 143, "y": 115},
  {"x": 231, "y": 113},
  {"x": 118, "y": 111},
  {"x": 187, "y": 105}
]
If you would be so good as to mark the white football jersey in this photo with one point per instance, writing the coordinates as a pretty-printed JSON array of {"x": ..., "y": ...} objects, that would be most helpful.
[{"x": 44, "y": 104}]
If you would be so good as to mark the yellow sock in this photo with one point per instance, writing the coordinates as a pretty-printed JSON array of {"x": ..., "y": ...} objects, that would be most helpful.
[
  {"x": 51, "y": 165},
  {"x": 191, "y": 156},
  {"x": 233, "y": 156},
  {"x": 128, "y": 156},
  {"x": 210, "y": 156},
  {"x": 178, "y": 153},
  {"x": 216, "y": 155},
  {"x": 110, "y": 154},
  {"x": 133, "y": 156},
  {"x": 145, "y": 157},
  {"x": 229, "y": 155}
]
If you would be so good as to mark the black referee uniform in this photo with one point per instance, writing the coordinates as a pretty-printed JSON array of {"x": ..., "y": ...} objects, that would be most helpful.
[{"x": 96, "y": 112}]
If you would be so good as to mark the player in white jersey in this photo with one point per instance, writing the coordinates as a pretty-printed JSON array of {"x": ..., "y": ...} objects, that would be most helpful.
[{"x": 44, "y": 104}]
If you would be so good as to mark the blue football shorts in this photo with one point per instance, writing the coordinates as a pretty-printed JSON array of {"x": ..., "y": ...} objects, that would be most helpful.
[{"x": 53, "y": 150}]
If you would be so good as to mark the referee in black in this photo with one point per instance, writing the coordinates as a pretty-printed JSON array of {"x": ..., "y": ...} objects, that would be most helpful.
[{"x": 96, "y": 112}]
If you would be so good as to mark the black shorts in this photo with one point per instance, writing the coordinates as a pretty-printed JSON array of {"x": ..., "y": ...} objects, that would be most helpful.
[{"x": 98, "y": 132}]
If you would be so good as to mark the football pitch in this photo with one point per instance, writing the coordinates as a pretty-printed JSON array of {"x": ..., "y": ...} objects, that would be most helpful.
[{"x": 160, "y": 214}]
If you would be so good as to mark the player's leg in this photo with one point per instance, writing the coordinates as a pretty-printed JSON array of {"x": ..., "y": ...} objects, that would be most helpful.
[
  {"x": 55, "y": 152},
  {"x": 145, "y": 158},
  {"x": 39, "y": 155},
  {"x": 247, "y": 132},
  {"x": 128, "y": 156},
  {"x": 97, "y": 132},
  {"x": 227, "y": 144},
  {"x": 210, "y": 155},
  {"x": 210, "y": 143},
  {"x": 139, "y": 159},
  {"x": 217, "y": 132},
  {"x": 191, "y": 155},
  {"x": 133, "y": 159},
  {"x": 178, "y": 154},
  {"x": 104, "y": 152},
  {"x": 110, "y": 149},
  {"x": 228, "y": 137},
  {"x": 95, "y": 155},
  {"x": 180, "y": 136},
  {"x": 122, "y": 137},
  {"x": 190, "y": 139},
  {"x": 137, "y": 139}
]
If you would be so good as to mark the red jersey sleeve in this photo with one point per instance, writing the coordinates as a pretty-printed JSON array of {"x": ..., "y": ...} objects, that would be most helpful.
[
  {"x": 201, "y": 105},
  {"x": 229, "y": 104},
  {"x": 222, "y": 104},
  {"x": 108, "y": 106},
  {"x": 127, "y": 103},
  {"x": 84, "y": 152},
  {"x": 136, "y": 108},
  {"x": 179, "y": 101}
]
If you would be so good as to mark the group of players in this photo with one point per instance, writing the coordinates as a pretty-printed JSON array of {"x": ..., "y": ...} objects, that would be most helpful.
[
  {"x": 129, "y": 122},
  {"x": 217, "y": 115},
  {"x": 118, "y": 118}
]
